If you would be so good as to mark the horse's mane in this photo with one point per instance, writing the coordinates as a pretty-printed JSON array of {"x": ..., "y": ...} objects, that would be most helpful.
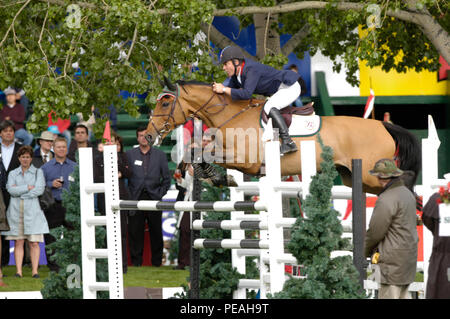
[{"x": 193, "y": 82}]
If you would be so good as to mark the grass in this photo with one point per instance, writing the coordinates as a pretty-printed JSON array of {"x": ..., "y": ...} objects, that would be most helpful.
[
  {"x": 149, "y": 277},
  {"x": 155, "y": 277},
  {"x": 26, "y": 283}
]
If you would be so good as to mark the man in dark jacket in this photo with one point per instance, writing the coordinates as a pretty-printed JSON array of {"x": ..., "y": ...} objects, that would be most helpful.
[
  {"x": 9, "y": 161},
  {"x": 392, "y": 232},
  {"x": 150, "y": 181},
  {"x": 248, "y": 77},
  {"x": 438, "y": 283},
  {"x": 81, "y": 139},
  {"x": 44, "y": 153}
]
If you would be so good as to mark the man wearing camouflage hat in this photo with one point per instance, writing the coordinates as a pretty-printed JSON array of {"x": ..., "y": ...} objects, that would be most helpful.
[{"x": 392, "y": 234}]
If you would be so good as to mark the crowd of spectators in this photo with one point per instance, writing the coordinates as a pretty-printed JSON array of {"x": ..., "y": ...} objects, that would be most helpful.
[{"x": 28, "y": 165}]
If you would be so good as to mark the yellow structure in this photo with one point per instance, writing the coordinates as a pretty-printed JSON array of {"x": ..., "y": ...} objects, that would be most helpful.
[{"x": 393, "y": 83}]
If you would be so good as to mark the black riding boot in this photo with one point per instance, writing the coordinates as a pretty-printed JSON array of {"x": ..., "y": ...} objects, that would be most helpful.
[{"x": 287, "y": 145}]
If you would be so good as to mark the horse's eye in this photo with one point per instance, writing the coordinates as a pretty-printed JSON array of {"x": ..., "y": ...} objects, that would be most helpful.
[{"x": 165, "y": 104}]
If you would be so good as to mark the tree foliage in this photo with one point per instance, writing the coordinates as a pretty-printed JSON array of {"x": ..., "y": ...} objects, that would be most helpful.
[
  {"x": 314, "y": 238},
  {"x": 218, "y": 278},
  {"x": 69, "y": 58}
]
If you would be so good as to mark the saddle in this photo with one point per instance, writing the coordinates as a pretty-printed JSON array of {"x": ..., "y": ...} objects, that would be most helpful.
[{"x": 288, "y": 111}]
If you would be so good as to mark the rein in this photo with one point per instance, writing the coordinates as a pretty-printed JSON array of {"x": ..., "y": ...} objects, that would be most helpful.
[
  {"x": 204, "y": 107},
  {"x": 239, "y": 113}
]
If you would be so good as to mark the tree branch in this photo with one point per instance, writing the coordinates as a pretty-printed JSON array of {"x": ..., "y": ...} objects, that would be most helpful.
[
  {"x": 218, "y": 38},
  {"x": 40, "y": 40},
  {"x": 63, "y": 3},
  {"x": 421, "y": 18},
  {"x": 132, "y": 43},
  {"x": 282, "y": 8},
  {"x": 296, "y": 6},
  {"x": 13, "y": 21},
  {"x": 293, "y": 42},
  {"x": 437, "y": 35}
]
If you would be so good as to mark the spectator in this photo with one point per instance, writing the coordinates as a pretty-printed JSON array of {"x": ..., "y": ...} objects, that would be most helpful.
[
  {"x": 90, "y": 121},
  {"x": 25, "y": 217},
  {"x": 44, "y": 152},
  {"x": 438, "y": 284},
  {"x": 41, "y": 155},
  {"x": 9, "y": 162},
  {"x": 59, "y": 127},
  {"x": 3, "y": 226},
  {"x": 112, "y": 116},
  {"x": 21, "y": 98},
  {"x": 392, "y": 233},
  {"x": 184, "y": 176},
  {"x": 150, "y": 181},
  {"x": 57, "y": 176},
  {"x": 189, "y": 127},
  {"x": 202, "y": 165},
  {"x": 81, "y": 139},
  {"x": 15, "y": 112},
  {"x": 124, "y": 172}
]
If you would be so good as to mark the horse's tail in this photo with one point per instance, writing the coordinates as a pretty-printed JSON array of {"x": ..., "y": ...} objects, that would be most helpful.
[{"x": 408, "y": 149}]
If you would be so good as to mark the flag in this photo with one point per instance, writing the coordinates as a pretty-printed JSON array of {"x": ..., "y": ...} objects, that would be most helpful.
[
  {"x": 369, "y": 105},
  {"x": 107, "y": 132}
]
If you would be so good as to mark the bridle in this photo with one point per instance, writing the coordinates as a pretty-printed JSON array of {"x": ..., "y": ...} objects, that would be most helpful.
[
  {"x": 166, "y": 126},
  {"x": 205, "y": 107}
]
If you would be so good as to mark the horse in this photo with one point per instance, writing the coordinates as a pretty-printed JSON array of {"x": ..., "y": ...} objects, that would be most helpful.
[{"x": 349, "y": 137}]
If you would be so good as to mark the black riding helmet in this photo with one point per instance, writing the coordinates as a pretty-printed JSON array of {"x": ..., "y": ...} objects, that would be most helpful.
[{"x": 232, "y": 52}]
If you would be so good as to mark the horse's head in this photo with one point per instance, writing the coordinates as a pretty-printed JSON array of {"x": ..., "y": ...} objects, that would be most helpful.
[{"x": 167, "y": 114}]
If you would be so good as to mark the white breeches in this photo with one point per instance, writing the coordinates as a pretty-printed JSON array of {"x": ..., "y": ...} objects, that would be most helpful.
[{"x": 285, "y": 96}]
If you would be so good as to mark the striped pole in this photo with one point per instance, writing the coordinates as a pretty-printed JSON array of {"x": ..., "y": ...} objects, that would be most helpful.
[
  {"x": 229, "y": 224},
  {"x": 240, "y": 224},
  {"x": 192, "y": 206},
  {"x": 231, "y": 243}
]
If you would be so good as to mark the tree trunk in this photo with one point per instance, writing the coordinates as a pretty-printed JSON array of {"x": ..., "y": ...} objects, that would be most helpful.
[
  {"x": 267, "y": 38},
  {"x": 431, "y": 29}
]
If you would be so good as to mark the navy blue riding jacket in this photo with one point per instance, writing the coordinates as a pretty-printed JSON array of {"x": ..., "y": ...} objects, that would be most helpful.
[{"x": 258, "y": 78}]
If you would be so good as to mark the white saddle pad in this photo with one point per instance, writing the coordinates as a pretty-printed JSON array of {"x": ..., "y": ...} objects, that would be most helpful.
[{"x": 301, "y": 126}]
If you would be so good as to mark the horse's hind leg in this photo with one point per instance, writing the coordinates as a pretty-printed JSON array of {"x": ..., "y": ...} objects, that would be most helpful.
[{"x": 370, "y": 184}]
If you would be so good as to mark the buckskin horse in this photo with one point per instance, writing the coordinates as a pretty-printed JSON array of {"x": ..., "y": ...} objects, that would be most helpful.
[{"x": 349, "y": 137}]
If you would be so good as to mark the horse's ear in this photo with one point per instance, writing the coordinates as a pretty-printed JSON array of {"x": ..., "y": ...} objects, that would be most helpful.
[
  {"x": 169, "y": 84},
  {"x": 160, "y": 82}
]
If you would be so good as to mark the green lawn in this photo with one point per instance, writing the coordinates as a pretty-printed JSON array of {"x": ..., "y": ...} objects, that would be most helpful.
[{"x": 150, "y": 277}]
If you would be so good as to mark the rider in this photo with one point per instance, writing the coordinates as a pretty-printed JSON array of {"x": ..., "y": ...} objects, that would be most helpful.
[{"x": 248, "y": 77}]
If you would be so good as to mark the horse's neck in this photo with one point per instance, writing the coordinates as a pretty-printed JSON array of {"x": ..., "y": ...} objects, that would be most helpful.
[{"x": 236, "y": 114}]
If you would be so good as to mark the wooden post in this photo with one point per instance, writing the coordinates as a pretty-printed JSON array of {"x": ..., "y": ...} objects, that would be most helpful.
[
  {"x": 358, "y": 220},
  {"x": 194, "y": 292}
]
